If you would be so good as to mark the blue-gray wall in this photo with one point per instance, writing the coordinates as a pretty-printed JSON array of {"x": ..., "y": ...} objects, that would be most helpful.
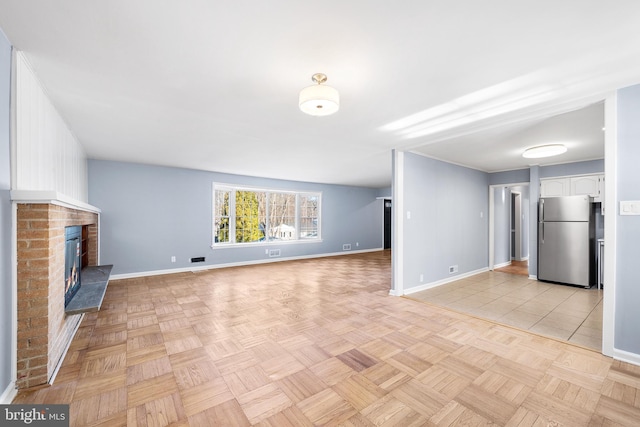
[
  {"x": 509, "y": 177},
  {"x": 151, "y": 213},
  {"x": 568, "y": 169},
  {"x": 384, "y": 192},
  {"x": 449, "y": 220},
  {"x": 627, "y": 298},
  {"x": 6, "y": 322}
]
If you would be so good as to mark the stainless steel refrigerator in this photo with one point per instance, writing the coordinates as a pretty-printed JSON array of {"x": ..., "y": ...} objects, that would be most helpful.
[{"x": 566, "y": 240}]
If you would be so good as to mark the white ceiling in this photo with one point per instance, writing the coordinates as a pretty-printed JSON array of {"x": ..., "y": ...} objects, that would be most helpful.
[{"x": 213, "y": 85}]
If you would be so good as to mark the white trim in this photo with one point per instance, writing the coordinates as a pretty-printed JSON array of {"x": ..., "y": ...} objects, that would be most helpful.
[
  {"x": 51, "y": 197},
  {"x": 533, "y": 277},
  {"x": 435, "y": 284},
  {"x": 626, "y": 356},
  {"x": 492, "y": 219},
  {"x": 64, "y": 352},
  {"x": 14, "y": 296},
  {"x": 234, "y": 264},
  {"x": 610, "y": 222},
  {"x": 504, "y": 264},
  {"x": 516, "y": 226},
  {"x": 8, "y": 394},
  {"x": 232, "y": 189},
  {"x": 218, "y": 246},
  {"x": 576, "y": 175},
  {"x": 380, "y": 203},
  {"x": 397, "y": 215}
]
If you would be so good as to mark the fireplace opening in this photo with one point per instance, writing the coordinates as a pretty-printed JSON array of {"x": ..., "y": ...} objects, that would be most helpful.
[{"x": 72, "y": 261}]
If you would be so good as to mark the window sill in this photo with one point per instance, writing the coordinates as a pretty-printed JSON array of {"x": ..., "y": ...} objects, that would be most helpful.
[{"x": 264, "y": 244}]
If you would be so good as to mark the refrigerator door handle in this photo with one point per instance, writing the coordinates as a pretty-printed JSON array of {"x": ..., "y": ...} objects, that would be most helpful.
[
  {"x": 541, "y": 212},
  {"x": 542, "y": 232}
]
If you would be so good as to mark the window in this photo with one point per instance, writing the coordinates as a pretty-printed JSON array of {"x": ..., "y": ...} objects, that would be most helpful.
[{"x": 245, "y": 215}]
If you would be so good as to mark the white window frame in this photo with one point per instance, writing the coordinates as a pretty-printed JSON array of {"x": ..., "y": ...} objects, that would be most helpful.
[{"x": 231, "y": 188}]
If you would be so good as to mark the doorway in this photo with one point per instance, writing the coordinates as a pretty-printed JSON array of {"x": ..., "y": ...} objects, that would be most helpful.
[
  {"x": 387, "y": 224},
  {"x": 516, "y": 226},
  {"x": 508, "y": 224}
]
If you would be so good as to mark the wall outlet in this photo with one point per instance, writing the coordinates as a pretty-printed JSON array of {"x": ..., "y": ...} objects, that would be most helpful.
[
  {"x": 421, "y": 278},
  {"x": 346, "y": 247},
  {"x": 173, "y": 259},
  {"x": 274, "y": 252},
  {"x": 453, "y": 269}
]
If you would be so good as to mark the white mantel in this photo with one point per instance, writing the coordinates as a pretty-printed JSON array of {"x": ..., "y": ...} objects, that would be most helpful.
[{"x": 51, "y": 197}]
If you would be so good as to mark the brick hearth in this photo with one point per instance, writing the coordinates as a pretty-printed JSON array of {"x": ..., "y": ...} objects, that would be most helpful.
[{"x": 44, "y": 331}]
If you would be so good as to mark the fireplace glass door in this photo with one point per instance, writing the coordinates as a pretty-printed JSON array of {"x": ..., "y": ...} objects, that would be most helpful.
[{"x": 72, "y": 261}]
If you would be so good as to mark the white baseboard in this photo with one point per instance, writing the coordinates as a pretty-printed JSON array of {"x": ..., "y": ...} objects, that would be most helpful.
[
  {"x": 8, "y": 394},
  {"x": 234, "y": 264},
  {"x": 504, "y": 264},
  {"x": 533, "y": 277},
  {"x": 626, "y": 356},
  {"x": 426, "y": 286}
]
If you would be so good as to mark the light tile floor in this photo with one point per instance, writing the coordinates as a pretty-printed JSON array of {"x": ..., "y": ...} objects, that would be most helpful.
[{"x": 565, "y": 312}]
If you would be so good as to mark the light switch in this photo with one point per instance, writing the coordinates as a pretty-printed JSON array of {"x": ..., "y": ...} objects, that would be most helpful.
[{"x": 630, "y": 207}]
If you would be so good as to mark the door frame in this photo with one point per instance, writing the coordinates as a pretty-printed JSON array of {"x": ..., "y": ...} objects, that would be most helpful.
[
  {"x": 516, "y": 227},
  {"x": 492, "y": 224}
]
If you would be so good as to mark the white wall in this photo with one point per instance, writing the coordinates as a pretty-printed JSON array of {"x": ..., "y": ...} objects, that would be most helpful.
[{"x": 47, "y": 155}]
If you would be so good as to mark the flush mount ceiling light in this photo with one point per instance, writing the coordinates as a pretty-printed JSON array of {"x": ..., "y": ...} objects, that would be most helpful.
[
  {"x": 544, "y": 151},
  {"x": 319, "y": 99}
]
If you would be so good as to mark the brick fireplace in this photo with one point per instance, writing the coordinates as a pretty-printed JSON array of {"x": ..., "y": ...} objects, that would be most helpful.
[{"x": 44, "y": 330}]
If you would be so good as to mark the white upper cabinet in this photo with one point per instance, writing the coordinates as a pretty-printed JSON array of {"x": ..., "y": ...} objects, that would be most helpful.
[
  {"x": 556, "y": 187},
  {"x": 589, "y": 185}
]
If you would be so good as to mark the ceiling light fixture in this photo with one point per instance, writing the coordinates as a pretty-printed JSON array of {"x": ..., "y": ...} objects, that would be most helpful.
[
  {"x": 544, "y": 151},
  {"x": 319, "y": 99}
]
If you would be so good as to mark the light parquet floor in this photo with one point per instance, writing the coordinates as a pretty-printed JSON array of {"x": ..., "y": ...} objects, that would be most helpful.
[{"x": 320, "y": 342}]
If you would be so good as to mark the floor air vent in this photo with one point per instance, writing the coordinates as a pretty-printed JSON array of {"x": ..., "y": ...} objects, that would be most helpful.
[
  {"x": 197, "y": 259},
  {"x": 274, "y": 252}
]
